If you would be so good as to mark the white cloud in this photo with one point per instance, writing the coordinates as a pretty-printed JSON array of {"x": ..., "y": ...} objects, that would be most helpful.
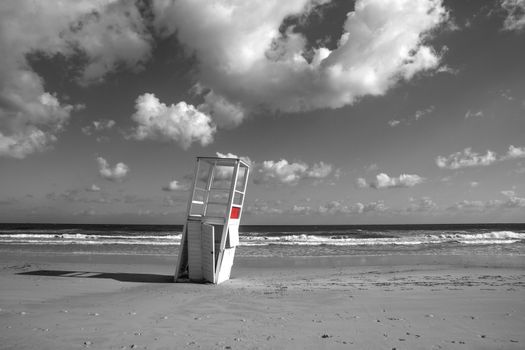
[
  {"x": 511, "y": 202},
  {"x": 247, "y": 63},
  {"x": 301, "y": 210},
  {"x": 515, "y": 20},
  {"x": 117, "y": 173},
  {"x": 25, "y": 141},
  {"x": 515, "y": 152},
  {"x": 263, "y": 207},
  {"x": 361, "y": 183},
  {"x": 105, "y": 33},
  {"x": 423, "y": 204},
  {"x": 334, "y": 207},
  {"x": 337, "y": 207},
  {"x": 319, "y": 171},
  {"x": 181, "y": 123},
  {"x": 173, "y": 186},
  {"x": 93, "y": 188},
  {"x": 383, "y": 181},
  {"x": 471, "y": 114},
  {"x": 419, "y": 114},
  {"x": 467, "y": 158},
  {"x": 470, "y": 206},
  {"x": 370, "y": 207},
  {"x": 507, "y": 93},
  {"x": 289, "y": 173},
  {"x": 224, "y": 113},
  {"x": 282, "y": 172}
]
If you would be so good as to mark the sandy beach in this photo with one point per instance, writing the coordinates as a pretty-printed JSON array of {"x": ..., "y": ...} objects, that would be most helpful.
[{"x": 68, "y": 301}]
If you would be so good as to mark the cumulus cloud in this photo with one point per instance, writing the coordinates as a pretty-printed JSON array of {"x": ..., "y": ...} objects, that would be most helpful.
[
  {"x": 106, "y": 34},
  {"x": 301, "y": 210},
  {"x": 419, "y": 114},
  {"x": 181, "y": 123},
  {"x": 334, "y": 207},
  {"x": 247, "y": 62},
  {"x": 371, "y": 207},
  {"x": 173, "y": 186},
  {"x": 471, "y": 205},
  {"x": 511, "y": 201},
  {"x": 337, "y": 207},
  {"x": 515, "y": 152},
  {"x": 79, "y": 196},
  {"x": 507, "y": 93},
  {"x": 264, "y": 207},
  {"x": 289, "y": 173},
  {"x": 225, "y": 114},
  {"x": 282, "y": 171},
  {"x": 422, "y": 204},
  {"x": 117, "y": 173},
  {"x": 467, "y": 158},
  {"x": 472, "y": 114},
  {"x": 383, "y": 181},
  {"x": 515, "y": 9},
  {"x": 361, "y": 183},
  {"x": 93, "y": 188}
]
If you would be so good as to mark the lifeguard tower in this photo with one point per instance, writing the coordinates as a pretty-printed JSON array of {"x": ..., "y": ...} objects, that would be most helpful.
[{"x": 211, "y": 232}]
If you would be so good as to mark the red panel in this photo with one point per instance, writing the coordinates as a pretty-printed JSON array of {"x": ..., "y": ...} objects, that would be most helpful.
[{"x": 236, "y": 212}]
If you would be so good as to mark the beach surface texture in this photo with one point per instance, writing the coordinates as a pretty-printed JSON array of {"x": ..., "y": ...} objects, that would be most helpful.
[{"x": 126, "y": 301}]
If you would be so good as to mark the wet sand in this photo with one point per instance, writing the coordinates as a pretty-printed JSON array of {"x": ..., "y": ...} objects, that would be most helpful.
[{"x": 67, "y": 301}]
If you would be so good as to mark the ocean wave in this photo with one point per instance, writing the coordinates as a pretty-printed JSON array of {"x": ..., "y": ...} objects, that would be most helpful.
[
  {"x": 486, "y": 236},
  {"x": 87, "y": 242},
  {"x": 494, "y": 237},
  {"x": 497, "y": 237},
  {"x": 83, "y": 236}
]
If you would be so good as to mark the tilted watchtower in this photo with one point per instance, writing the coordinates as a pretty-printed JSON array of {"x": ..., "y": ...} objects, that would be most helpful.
[{"x": 211, "y": 231}]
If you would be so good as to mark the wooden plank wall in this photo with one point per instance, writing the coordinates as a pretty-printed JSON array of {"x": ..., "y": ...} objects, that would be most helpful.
[{"x": 194, "y": 251}]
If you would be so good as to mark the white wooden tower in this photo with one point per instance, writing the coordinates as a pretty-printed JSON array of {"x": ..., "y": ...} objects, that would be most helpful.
[{"x": 211, "y": 232}]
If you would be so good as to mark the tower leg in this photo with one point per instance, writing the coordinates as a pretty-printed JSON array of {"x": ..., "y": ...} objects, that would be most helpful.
[{"x": 226, "y": 264}]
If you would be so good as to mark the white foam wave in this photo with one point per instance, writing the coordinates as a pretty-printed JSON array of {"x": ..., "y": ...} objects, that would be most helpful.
[
  {"x": 496, "y": 237},
  {"x": 499, "y": 237},
  {"x": 81, "y": 236},
  {"x": 502, "y": 235}
]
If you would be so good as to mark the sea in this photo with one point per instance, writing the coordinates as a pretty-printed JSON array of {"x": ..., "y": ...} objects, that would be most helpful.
[{"x": 272, "y": 241}]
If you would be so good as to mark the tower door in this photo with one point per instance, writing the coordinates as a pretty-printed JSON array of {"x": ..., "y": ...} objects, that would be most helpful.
[{"x": 208, "y": 253}]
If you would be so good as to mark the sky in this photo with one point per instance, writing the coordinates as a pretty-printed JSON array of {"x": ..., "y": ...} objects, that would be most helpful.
[{"x": 365, "y": 112}]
